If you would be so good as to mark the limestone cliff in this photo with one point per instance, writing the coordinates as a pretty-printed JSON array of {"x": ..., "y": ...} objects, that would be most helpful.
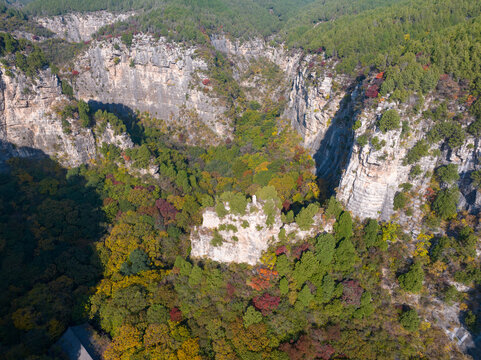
[
  {"x": 244, "y": 238},
  {"x": 77, "y": 27},
  {"x": 155, "y": 76},
  {"x": 314, "y": 100},
  {"x": 287, "y": 60},
  {"x": 28, "y": 122},
  {"x": 376, "y": 170}
]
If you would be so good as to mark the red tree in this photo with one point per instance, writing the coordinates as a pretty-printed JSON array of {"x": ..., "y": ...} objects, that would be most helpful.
[
  {"x": 266, "y": 303},
  {"x": 372, "y": 91},
  {"x": 166, "y": 209},
  {"x": 175, "y": 315}
]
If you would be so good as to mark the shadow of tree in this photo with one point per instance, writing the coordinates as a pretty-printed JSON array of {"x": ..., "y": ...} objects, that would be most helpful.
[{"x": 49, "y": 224}]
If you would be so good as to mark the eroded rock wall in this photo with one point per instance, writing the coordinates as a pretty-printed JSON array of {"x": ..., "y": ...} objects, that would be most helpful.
[
  {"x": 77, "y": 27},
  {"x": 29, "y": 126},
  {"x": 374, "y": 173},
  {"x": 155, "y": 76}
]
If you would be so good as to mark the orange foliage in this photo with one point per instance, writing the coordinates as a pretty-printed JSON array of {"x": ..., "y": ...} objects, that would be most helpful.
[{"x": 263, "y": 280}]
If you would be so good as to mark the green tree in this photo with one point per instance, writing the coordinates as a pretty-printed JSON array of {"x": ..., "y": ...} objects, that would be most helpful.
[
  {"x": 138, "y": 261},
  {"x": 448, "y": 173},
  {"x": 305, "y": 296},
  {"x": 412, "y": 281},
  {"x": 445, "y": 203},
  {"x": 284, "y": 286},
  {"x": 343, "y": 226},
  {"x": 410, "y": 320},
  {"x": 390, "y": 120},
  {"x": 251, "y": 316},
  {"x": 305, "y": 218},
  {"x": 371, "y": 231},
  {"x": 325, "y": 292},
  {"x": 345, "y": 256},
  {"x": 325, "y": 248}
]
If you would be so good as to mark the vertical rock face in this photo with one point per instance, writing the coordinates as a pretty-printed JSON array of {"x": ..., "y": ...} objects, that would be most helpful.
[
  {"x": 255, "y": 49},
  {"x": 78, "y": 27},
  {"x": 28, "y": 124},
  {"x": 373, "y": 175},
  {"x": 158, "y": 77}
]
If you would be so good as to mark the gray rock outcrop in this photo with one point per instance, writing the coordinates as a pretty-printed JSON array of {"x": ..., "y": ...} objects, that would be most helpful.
[{"x": 245, "y": 238}]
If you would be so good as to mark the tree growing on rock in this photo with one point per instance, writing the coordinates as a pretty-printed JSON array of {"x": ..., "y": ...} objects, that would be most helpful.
[{"x": 390, "y": 120}]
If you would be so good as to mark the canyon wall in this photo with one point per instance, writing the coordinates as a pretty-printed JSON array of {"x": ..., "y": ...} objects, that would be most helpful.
[
  {"x": 29, "y": 124},
  {"x": 77, "y": 27},
  {"x": 154, "y": 76}
]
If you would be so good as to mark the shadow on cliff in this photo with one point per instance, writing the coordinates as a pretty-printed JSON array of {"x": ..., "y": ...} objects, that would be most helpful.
[
  {"x": 125, "y": 113},
  {"x": 471, "y": 320},
  {"x": 50, "y": 220},
  {"x": 335, "y": 149}
]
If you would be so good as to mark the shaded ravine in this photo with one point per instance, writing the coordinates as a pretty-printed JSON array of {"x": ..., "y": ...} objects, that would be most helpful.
[{"x": 335, "y": 148}]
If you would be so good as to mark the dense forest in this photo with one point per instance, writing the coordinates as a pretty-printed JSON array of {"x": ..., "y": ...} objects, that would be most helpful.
[{"x": 103, "y": 244}]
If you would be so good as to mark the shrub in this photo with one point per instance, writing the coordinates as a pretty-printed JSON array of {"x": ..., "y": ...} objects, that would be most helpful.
[
  {"x": 83, "y": 111},
  {"x": 362, "y": 140},
  {"x": 476, "y": 178},
  {"x": 217, "y": 239},
  {"x": 378, "y": 145},
  {"x": 220, "y": 209},
  {"x": 418, "y": 151},
  {"x": 66, "y": 88},
  {"x": 390, "y": 120},
  {"x": 400, "y": 201},
  {"x": 448, "y": 131},
  {"x": 237, "y": 202},
  {"x": 415, "y": 171}
]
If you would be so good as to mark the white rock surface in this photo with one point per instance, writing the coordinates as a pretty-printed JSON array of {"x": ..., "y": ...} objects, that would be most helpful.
[{"x": 251, "y": 242}]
